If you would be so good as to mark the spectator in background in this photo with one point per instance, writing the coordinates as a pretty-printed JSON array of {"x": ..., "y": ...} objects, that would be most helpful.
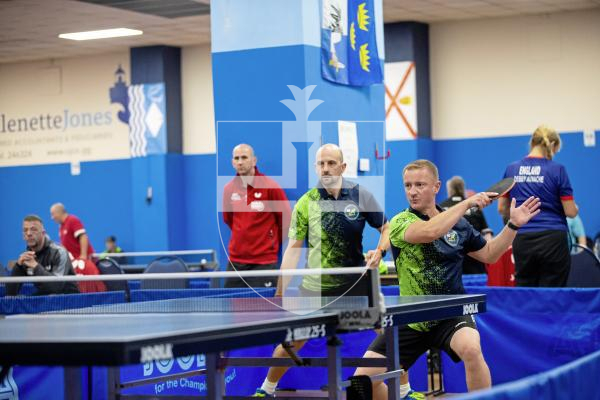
[
  {"x": 541, "y": 248},
  {"x": 111, "y": 245},
  {"x": 43, "y": 257},
  {"x": 72, "y": 233},
  {"x": 576, "y": 233},
  {"x": 112, "y": 248},
  {"x": 258, "y": 212},
  {"x": 455, "y": 187}
]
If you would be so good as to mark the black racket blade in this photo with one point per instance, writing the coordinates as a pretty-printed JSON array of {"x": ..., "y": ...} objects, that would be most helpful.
[{"x": 501, "y": 187}]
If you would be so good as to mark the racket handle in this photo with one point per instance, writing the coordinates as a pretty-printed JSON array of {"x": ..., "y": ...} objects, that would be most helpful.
[{"x": 472, "y": 210}]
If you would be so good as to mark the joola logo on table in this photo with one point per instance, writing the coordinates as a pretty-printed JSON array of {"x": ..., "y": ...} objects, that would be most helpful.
[
  {"x": 469, "y": 309},
  {"x": 183, "y": 363},
  {"x": 356, "y": 314},
  {"x": 156, "y": 352},
  {"x": 305, "y": 332}
]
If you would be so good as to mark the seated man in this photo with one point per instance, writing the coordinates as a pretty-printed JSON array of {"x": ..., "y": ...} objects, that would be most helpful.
[
  {"x": 43, "y": 257},
  {"x": 429, "y": 246}
]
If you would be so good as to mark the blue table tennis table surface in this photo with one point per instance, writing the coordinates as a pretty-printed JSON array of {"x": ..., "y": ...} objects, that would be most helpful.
[{"x": 109, "y": 338}]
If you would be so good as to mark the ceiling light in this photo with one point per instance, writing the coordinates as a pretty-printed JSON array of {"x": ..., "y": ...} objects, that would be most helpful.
[{"x": 101, "y": 34}]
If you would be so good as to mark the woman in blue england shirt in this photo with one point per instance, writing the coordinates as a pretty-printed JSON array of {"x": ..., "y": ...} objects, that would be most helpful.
[{"x": 541, "y": 247}]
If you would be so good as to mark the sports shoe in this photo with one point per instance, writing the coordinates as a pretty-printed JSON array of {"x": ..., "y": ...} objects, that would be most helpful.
[
  {"x": 412, "y": 395},
  {"x": 262, "y": 393}
]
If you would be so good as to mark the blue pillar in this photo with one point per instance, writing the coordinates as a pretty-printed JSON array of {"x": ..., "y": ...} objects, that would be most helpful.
[
  {"x": 162, "y": 64},
  {"x": 409, "y": 41},
  {"x": 259, "y": 49},
  {"x": 157, "y": 189}
]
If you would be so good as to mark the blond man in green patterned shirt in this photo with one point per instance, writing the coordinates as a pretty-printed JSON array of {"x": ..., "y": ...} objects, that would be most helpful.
[{"x": 429, "y": 245}]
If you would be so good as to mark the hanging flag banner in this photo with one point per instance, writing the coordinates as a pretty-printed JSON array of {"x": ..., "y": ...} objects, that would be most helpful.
[
  {"x": 348, "y": 43},
  {"x": 400, "y": 101},
  {"x": 147, "y": 121}
]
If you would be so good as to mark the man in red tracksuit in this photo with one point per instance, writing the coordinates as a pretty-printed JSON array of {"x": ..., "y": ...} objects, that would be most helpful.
[
  {"x": 73, "y": 235},
  {"x": 257, "y": 211}
]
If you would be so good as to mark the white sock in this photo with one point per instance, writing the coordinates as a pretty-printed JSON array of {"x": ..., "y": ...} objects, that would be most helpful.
[
  {"x": 404, "y": 389},
  {"x": 269, "y": 386}
]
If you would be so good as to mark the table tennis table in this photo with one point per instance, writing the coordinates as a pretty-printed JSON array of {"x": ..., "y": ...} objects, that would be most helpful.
[{"x": 113, "y": 339}]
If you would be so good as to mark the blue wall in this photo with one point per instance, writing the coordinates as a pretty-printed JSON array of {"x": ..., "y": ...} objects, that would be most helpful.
[
  {"x": 105, "y": 195},
  {"x": 199, "y": 189},
  {"x": 482, "y": 162},
  {"x": 101, "y": 196},
  {"x": 253, "y": 95}
]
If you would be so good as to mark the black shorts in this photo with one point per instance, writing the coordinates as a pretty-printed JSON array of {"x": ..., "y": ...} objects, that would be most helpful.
[{"x": 412, "y": 344}]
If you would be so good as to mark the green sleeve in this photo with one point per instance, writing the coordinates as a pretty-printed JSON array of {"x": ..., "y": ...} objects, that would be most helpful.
[
  {"x": 399, "y": 225},
  {"x": 299, "y": 222}
]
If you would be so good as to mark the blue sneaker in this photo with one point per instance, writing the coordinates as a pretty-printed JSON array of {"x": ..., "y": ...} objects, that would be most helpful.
[
  {"x": 412, "y": 395},
  {"x": 262, "y": 393}
]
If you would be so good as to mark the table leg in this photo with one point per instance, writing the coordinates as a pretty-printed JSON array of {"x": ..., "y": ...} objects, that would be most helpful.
[
  {"x": 215, "y": 381},
  {"x": 334, "y": 368},
  {"x": 113, "y": 380},
  {"x": 90, "y": 381},
  {"x": 72, "y": 380},
  {"x": 393, "y": 361}
]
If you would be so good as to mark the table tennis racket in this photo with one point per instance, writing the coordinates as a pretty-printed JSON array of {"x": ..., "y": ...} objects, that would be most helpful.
[{"x": 502, "y": 187}]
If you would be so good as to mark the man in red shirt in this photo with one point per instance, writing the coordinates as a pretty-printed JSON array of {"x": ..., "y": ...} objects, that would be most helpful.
[
  {"x": 72, "y": 233},
  {"x": 257, "y": 211}
]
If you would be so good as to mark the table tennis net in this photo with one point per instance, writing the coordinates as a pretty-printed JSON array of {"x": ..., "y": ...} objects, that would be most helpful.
[{"x": 134, "y": 293}]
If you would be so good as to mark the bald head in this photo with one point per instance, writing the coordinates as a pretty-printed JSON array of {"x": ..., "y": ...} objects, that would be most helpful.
[
  {"x": 244, "y": 160},
  {"x": 331, "y": 150},
  {"x": 58, "y": 213},
  {"x": 244, "y": 148}
]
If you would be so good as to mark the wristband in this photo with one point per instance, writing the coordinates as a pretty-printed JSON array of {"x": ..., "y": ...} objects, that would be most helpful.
[
  {"x": 382, "y": 251},
  {"x": 512, "y": 226}
]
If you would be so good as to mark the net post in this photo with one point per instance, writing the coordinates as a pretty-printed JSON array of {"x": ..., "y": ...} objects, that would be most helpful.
[
  {"x": 376, "y": 289},
  {"x": 371, "y": 316}
]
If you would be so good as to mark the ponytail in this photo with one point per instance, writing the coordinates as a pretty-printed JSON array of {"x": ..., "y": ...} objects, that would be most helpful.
[{"x": 546, "y": 138}]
